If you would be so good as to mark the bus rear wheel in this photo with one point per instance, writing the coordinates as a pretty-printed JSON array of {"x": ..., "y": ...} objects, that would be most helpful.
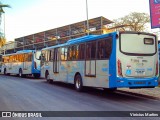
[
  {"x": 21, "y": 73},
  {"x": 78, "y": 83}
]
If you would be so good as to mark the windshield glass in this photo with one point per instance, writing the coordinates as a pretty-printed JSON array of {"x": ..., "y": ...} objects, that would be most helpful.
[
  {"x": 132, "y": 43},
  {"x": 37, "y": 54}
]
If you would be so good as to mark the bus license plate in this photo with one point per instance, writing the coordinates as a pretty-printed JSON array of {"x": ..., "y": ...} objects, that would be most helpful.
[{"x": 140, "y": 72}]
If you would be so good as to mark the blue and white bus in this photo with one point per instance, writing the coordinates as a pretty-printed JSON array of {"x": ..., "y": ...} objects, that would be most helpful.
[
  {"x": 108, "y": 61},
  {"x": 22, "y": 63}
]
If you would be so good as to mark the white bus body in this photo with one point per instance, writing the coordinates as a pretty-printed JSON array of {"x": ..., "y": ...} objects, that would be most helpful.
[
  {"x": 22, "y": 63},
  {"x": 114, "y": 60}
]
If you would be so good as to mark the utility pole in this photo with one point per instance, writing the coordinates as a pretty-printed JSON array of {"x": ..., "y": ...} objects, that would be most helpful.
[{"x": 87, "y": 17}]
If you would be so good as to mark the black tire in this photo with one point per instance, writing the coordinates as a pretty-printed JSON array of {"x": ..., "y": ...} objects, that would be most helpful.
[
  {"x": 20, "y": 73},
  {"x": 36, "y": 75},
  {"x": 5, "y": 71},
  {"x": 78, "y": 83},
  {"x": 48, "y": 77}
]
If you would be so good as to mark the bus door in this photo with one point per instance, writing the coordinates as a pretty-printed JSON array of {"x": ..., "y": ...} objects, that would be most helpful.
[
  {"x": 56, "y": 61},
  {"x": 90, "y": 62}
]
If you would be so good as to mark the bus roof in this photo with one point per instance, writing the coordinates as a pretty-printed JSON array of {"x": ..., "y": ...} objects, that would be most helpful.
[
  {"x": 20, "y": 52},
  {"x": 81, "y": 40},
  {"x": 25, "y": 51}
]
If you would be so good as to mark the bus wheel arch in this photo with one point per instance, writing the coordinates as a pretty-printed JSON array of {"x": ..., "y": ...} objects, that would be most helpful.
[{"x": 78, "y": 82}]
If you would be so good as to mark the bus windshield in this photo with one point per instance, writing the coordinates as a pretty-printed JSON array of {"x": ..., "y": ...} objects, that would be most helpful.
[{"x": 145, "y": 44}]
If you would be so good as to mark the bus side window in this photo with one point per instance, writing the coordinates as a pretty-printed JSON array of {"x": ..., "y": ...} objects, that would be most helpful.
[
  {"x": 104, "y": 48},
  {"x": 88, "y": 51},
  {"x": 69, "y": 56},
  {"x": 29, "y": 57},
  {"x": 63, "y": 53},
  {"x": 74, "y": 52},
  {"x": 93, "y": 50},
  {"x": 108, "y": 47},
  {"x": 46, "y": 56},
  {"x": 81, "y": 51},
  {"x": 42, "y": 58},
  {"x": 51, "y": 55}
]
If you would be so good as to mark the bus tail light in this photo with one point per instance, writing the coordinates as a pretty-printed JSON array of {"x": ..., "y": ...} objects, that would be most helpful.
[
  {"x": 156, "y": 68},
  {"x": 35, "y": 65},
  {"x": 119, "y": 68}
]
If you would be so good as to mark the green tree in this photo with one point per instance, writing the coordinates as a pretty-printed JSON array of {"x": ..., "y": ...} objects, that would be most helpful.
[
  {"x": 2, "y": 37},
  {"x": 132, "y": 22}
]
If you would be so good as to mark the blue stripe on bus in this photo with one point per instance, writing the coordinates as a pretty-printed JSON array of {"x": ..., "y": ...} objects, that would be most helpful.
[{"x": 112, "y": 64}]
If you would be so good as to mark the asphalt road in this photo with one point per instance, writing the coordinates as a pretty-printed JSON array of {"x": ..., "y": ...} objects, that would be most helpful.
[{"x": 28, "y": 94}]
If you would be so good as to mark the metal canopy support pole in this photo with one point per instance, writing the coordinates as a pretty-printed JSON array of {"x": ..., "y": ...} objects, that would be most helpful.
[
  {"x": 23, "y": 43},
  {"x": 57, "y": 37},
  {"x": 69, "y": 31},
  {"x": 101, "y": 25},
  {"x": 33, "y": 42},
  {"x": 44, "y": 40},
  {"x": 87, "y": 17},
  {"x": 4, "y": 26}
]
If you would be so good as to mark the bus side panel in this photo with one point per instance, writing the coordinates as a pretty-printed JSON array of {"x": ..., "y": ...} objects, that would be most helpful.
[
  {"x": 15, "y": 67},
  {"x": 74, "y": 67},
  {"x": 63, "y": 71},
  {"x": 27, "y": 68}
]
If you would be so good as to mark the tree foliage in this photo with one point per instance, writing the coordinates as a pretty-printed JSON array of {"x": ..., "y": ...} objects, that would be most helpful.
[
  {"x": 2, "y": 37},
  {"x": 132, "y": 22},
  {"x": 1, "y": 9},
  {"x": 2, "y": 41}
]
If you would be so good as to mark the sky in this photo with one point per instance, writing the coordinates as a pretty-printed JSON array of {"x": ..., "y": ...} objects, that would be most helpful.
[{"x": 27, "y": 17}]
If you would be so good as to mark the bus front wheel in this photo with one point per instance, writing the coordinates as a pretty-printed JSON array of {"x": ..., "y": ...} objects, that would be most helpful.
[
  {"x": 78, "y": 83},
  {"x": 47, "y": 76}
]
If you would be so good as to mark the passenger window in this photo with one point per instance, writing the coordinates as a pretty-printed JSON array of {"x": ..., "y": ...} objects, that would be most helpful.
[
  {"x": 104, "y": 48},
  {"x": 91, "y": 50}
]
